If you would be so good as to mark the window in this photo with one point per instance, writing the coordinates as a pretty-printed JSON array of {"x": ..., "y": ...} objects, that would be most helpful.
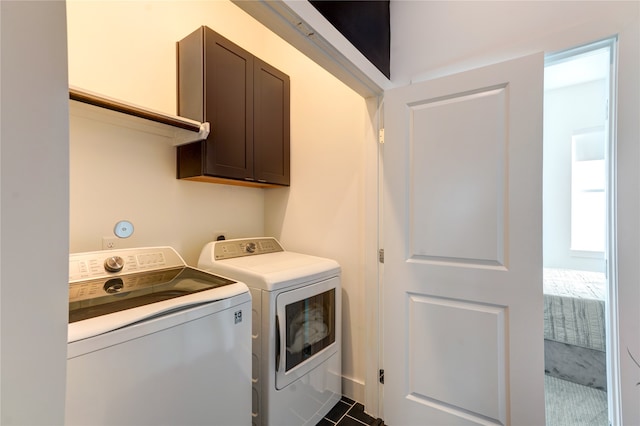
[{"x": 588, "y": 203}]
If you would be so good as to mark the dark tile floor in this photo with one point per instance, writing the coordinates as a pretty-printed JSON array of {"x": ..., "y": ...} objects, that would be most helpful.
[{"x": 348, "y": 412}]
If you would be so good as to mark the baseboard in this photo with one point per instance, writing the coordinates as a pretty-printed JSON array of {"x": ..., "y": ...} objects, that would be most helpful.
[{"x": 353, "y": 389}]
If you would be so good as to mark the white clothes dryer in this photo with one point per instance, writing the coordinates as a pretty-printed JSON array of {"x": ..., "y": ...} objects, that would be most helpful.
[{"x": 296, "y": 327}]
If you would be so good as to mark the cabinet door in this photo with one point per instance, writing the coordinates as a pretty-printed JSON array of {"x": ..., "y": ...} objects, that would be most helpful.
[
  {"x": 228, "y": 107},
  {"x": 271, "y": 131}
]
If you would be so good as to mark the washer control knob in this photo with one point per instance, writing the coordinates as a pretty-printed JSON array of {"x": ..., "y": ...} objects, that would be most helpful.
[
  {"x": 113, "y": 286},
  {"x": 251, "y": 247},
  {"x": 114, "y": 263}
]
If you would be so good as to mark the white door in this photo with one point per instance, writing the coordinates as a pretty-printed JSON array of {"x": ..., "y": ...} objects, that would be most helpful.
[{"x": 462, "y": 305}]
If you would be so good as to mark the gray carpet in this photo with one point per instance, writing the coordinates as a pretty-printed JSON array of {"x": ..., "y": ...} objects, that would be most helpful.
[{"x": 570, "y": 404}]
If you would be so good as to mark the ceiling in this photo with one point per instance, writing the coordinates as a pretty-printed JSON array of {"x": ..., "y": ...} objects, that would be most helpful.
[{"x": 589, "y": 66}]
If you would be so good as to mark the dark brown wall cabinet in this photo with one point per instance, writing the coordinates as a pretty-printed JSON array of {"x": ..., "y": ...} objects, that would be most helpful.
[{"x": 245, "y": 100}]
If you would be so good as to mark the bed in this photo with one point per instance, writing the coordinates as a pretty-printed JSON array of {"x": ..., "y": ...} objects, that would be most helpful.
[{"x": 574, "y": 326}]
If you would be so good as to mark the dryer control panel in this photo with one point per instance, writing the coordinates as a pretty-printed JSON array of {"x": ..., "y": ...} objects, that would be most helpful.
[{"x": 228, "y": 249}]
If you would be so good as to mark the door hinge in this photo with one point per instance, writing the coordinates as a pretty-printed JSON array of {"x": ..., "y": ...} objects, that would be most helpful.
[
  {"x": 381, "y": 136},
  {"x": 381, "y": 376},
  {"x": 381, "y": 255}
]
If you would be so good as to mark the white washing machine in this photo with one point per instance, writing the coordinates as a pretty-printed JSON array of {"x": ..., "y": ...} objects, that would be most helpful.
[
  {"x": 296, "y": 299},
  {"x": 152, "y": 341}
]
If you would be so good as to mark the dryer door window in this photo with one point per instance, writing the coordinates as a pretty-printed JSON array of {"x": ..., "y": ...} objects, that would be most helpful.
[
  {"x": 306, "y": 329},
  {"x": 310, "y": 327}
]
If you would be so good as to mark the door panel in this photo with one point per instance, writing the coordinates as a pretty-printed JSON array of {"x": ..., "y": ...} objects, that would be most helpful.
[
  {"x": 457, "y": 178},
  {"x": 272, "y": 116},
  {"x": 229, "y": 107},
  {"x": 476, "y": 333},
  {"x": 462, "y": 327}
]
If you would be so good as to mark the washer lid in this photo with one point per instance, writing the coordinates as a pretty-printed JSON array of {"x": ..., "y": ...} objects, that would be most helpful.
[
  {"x": 94, "y": 298},
  {"x": 114, "y": 288},
  {"x": 93, "y": 311}
]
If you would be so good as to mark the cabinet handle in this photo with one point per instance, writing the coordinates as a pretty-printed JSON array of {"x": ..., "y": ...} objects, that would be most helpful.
[
  {"x": 249, "y": 178},
  {"x": 262, "y": 181}
]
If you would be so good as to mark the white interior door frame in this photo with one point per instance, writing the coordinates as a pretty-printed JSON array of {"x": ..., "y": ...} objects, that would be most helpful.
[{"x": 373, "y": 268}]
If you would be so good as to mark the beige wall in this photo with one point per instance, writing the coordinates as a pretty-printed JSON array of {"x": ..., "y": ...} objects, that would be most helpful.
[
  {"x": 457, "y": 35},
  {"x": 34, "y": 200},
  {"x": 126, "y": 50}
]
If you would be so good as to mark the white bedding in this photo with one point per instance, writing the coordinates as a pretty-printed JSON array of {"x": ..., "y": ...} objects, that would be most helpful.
[
  {"x": 570, "y": 283},
  {"x": 574, "y": 307}
]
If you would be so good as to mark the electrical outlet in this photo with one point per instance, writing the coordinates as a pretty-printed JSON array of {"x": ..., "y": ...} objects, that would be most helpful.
[{"x": 109, "y": 243}]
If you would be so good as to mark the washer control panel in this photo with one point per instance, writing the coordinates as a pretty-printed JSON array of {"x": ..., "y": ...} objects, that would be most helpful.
[
  {"x": 83, "y": 290},
  {"x": 228, "y": 249},
  {"x": 99, "y": 264}
]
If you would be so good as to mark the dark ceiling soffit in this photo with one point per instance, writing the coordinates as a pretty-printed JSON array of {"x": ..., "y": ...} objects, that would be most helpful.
[
  {"x": 280, "y": 19},
  {"x": 365, "y": 24}
]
